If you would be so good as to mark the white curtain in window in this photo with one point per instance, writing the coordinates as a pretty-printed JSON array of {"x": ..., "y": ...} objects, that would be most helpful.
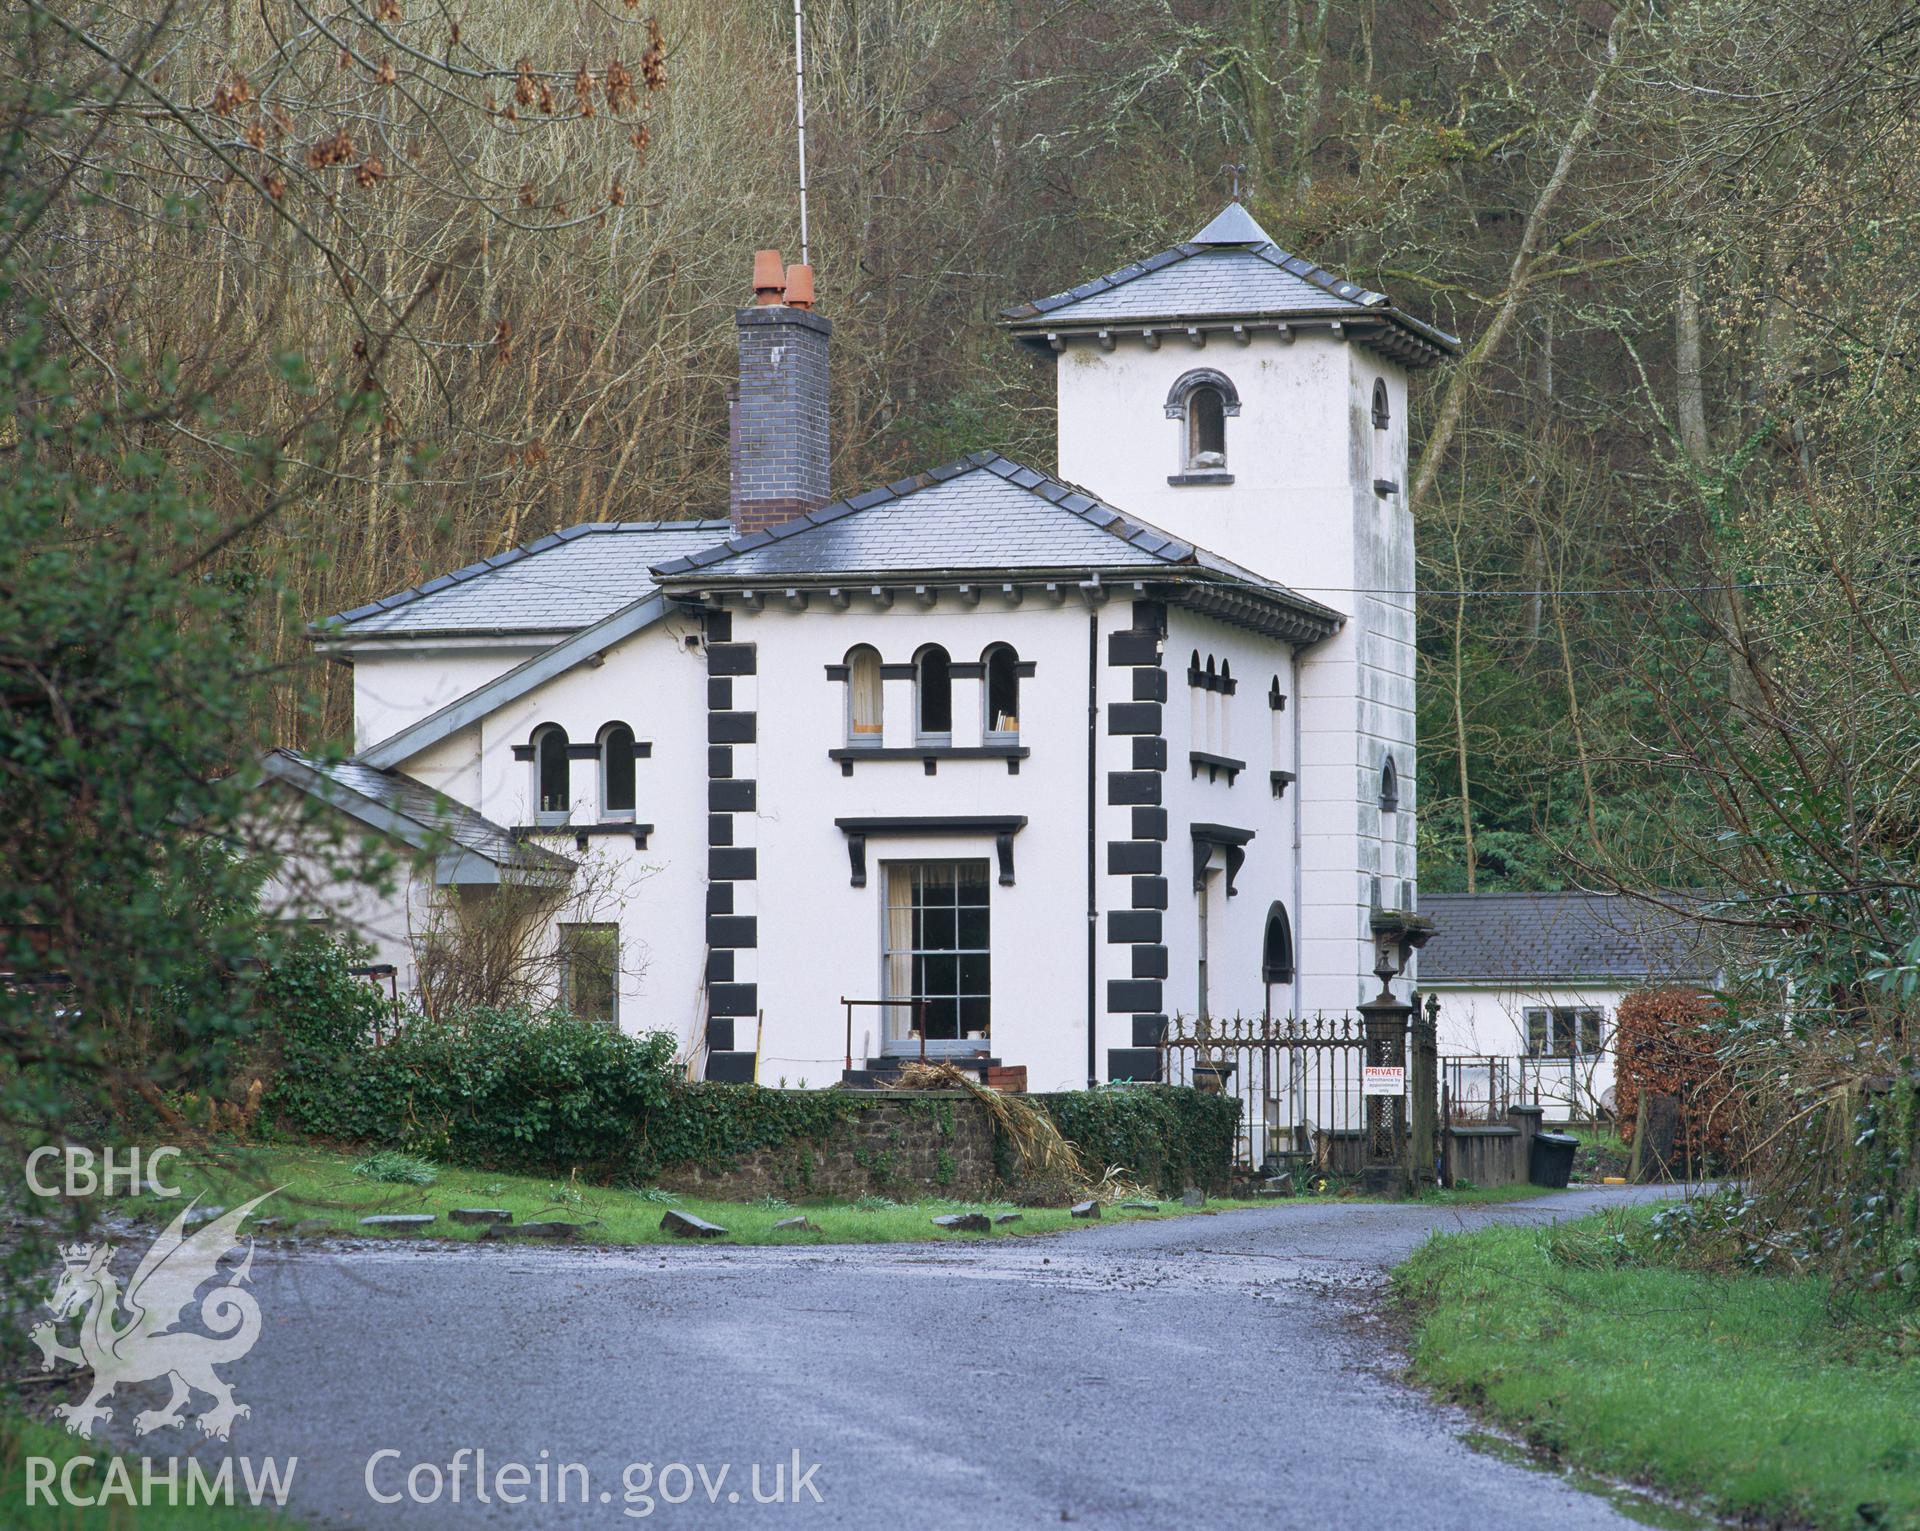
[
  {"x": 865, "y": 702},
  {"x": 899, "y": 946}
]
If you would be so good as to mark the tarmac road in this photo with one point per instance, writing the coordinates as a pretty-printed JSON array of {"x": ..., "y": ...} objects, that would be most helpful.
[{"x": 1228, "y": 1370}]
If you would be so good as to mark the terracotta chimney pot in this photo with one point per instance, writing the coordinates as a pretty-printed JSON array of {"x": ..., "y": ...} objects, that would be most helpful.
[
  {"x": 800, "y": 287},
  {"x": 769, "y": 281}
]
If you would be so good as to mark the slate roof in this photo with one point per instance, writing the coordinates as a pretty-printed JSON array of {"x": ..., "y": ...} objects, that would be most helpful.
[
  {"x": 1509, "y": 939},
  {"x": 1231, "y": 269},
  {"x": 985, "y": 515},
  {"x": 560, "y": 582},
  {"x": 425, "y": 818}
]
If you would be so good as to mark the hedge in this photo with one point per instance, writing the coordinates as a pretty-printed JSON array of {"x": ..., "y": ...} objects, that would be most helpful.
[
  {"x": 518, "y": 1090},
  {"x": 1166, "y": 1135}
]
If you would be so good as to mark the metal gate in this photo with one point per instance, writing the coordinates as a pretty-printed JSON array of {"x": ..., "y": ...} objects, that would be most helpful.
[{"x": 1298, "y": 1081}]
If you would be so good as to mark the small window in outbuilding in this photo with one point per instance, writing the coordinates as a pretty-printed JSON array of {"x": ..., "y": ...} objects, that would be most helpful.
[
  {"x": 616, "y": 772},
  {"x": 933, "y": 695},
  {"x": 1389, "y": 787},
  {"x": 552, "y": 784},
  {"x": 1003, "y": 692},
  {"x": 1206, "y": 429}
]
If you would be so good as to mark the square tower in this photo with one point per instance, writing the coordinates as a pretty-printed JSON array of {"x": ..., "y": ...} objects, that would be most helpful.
[{"x": 1251, "y": 403}]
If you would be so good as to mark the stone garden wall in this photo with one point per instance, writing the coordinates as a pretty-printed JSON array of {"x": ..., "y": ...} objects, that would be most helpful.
[{"x": 898, "y": 1145}]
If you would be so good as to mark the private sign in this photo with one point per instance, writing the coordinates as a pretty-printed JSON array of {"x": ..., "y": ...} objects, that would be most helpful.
[{"x": 1380, "y": 1079}]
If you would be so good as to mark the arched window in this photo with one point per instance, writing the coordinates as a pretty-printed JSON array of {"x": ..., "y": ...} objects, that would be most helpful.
[
  {"x": 1276, "y": 950},
  {"x": 616, "y": 772},
  {"x": 932, "y": 695},
  {"x": 552, "y": 786},
  {"x": 1201, "y": 401},
  {"x": 1003, "y": 692},
  {"x": 1382, "y": 457},
  {"x": 1206, "y": 429},
  {"x": 864, "y": 697},
  {"x": 1389, "y": 787}
]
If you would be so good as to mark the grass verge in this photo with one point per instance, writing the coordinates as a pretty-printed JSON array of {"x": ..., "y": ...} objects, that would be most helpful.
[
  {"x": 1770, "y": 1398},
  {"x": 22, "y": 1438},
  {"x": 320, "y": 1187}
]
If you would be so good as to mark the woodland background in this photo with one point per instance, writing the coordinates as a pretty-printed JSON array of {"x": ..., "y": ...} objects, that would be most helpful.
[
  {"x": 1675, "y": 240},
  {"x": 302, "y": 301}
]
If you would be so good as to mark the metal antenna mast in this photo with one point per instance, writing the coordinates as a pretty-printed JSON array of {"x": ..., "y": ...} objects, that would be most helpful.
[{"x": 800, "y": 119}]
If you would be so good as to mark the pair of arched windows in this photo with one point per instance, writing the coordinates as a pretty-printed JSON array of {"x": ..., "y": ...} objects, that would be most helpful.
[
  {"x": 553, "y": 756},
  {"x": 933, "y": 671}
]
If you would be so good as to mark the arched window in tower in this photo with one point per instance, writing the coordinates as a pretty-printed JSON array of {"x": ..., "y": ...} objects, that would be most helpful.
[
  {"x": 1003, "y": 693},
  {"x": 1206, "y": 430},
  {"x": 616, "y": 772},
  {"x": 1389, "y": 787},
  {"x": 865, "y": 697},
  {"x": 1383, "y": 481},
  {"x": 552, "y": 784},
  {"x": 932, "y": 695},
  {"x": 1276, "y": 949},
  {"x": 1201, "y": 401}
]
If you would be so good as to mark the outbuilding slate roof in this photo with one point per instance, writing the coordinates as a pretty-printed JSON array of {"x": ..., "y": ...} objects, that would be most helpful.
[
  {"x": 556, "y": 584},
  {"x": 1507, "y": 940},
  {"x": 413, "y": 811},
  {"x": 1231, "y": 269},
  {"x": 985, "y": 515}
]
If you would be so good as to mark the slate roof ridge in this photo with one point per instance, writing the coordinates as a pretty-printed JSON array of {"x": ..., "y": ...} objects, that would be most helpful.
[
  {"x": 501, "y": 560},
  {"x": 1046, "y": 487}
]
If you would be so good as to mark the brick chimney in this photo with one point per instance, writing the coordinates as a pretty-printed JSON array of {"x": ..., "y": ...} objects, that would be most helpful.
[{"x": 777, "y": 430}]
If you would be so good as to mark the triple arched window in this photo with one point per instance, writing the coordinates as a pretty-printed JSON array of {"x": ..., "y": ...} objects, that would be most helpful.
[{"x": 933, "y": 672}]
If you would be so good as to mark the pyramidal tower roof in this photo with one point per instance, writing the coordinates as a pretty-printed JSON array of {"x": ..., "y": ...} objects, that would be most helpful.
[
  {"x": 1234, "y": 226},
  {"x": 1229, "y": 276}
]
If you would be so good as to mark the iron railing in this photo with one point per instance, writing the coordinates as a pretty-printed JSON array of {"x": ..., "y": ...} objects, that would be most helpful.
[{"x": 1298, "y": 1081}]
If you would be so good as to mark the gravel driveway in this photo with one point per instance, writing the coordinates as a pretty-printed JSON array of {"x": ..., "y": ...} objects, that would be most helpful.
[{"x": 1226, "y": 1370}]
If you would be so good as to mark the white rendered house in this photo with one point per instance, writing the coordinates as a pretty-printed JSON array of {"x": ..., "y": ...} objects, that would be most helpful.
[{"x": 1035, "y": 761}]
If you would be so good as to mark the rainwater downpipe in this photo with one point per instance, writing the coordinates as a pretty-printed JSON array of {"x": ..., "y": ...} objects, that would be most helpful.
[
  {"x": 1299, "y": 791},
  {"x": 1093, "y": 776}
]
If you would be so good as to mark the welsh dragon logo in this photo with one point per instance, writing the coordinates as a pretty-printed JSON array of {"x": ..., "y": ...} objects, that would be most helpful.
[{"x": 148, "y": 1344}]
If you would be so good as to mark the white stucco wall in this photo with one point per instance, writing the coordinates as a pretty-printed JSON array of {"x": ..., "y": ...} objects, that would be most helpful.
[
  {"x": 820, "y": 938},
  {"x": 393, "y": 687},
  {"x": 1302, "y": 509},
  {"x": 1490, "y": 1021}
]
